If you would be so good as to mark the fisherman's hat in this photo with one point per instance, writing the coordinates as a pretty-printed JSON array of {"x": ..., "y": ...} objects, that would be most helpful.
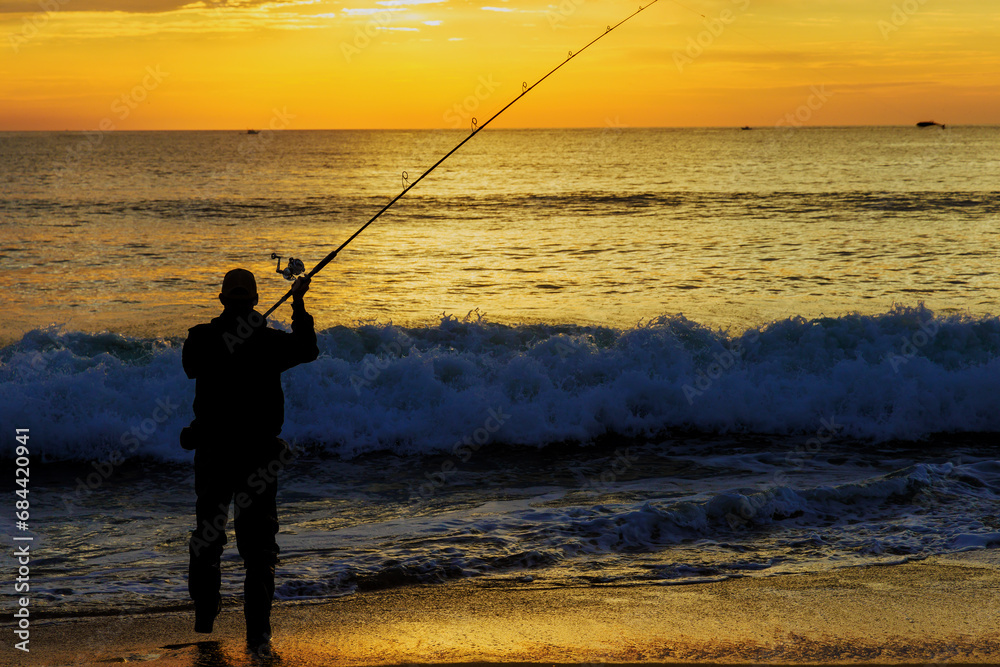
[{"x": 239, "y": 284}]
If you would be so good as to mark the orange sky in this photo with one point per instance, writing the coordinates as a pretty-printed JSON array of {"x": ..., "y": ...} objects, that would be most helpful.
[{"x": 163, "y": 64}]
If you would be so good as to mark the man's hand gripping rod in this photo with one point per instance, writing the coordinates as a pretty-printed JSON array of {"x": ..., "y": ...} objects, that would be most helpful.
[{"x": 525, "y": 88}]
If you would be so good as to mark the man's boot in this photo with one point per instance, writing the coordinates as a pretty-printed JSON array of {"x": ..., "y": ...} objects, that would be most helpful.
[
  {"x": 258, "y": 592},
  {"x": 204, "y": 582},
  {"x": 205, "y": 612}
]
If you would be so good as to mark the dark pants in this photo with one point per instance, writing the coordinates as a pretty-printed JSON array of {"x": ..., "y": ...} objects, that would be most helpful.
[{"x": 245, "y": 476}]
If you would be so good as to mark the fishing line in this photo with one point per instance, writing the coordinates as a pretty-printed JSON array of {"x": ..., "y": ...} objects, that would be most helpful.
[{"x": 476, "y": 129}]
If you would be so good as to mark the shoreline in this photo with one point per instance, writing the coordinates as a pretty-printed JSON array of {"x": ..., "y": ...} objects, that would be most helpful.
[{"x": 943, "y": 610}]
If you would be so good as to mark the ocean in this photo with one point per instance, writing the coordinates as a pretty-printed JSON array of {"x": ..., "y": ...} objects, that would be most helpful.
[{"x": 606, "y": 357}]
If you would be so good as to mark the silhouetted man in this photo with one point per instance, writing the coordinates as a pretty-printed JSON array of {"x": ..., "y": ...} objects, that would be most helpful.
[{"x": 237, "y": 363}]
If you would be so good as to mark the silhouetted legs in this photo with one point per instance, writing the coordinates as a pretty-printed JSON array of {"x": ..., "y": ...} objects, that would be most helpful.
[
  {"x": 256, "y": 526},
  {"x": 249, "y": 482},
  {"x": 205, "y": 547}
]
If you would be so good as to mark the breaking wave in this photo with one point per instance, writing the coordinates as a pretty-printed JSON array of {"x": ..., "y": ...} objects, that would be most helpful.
[{"x": 904, "y": 374}]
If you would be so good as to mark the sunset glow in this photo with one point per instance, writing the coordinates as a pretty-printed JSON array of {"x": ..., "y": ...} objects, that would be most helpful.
[{"x": 162, "y": 64}]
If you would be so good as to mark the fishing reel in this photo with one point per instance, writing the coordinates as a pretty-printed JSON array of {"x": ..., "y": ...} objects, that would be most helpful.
[{"x": 295, "y": 267}]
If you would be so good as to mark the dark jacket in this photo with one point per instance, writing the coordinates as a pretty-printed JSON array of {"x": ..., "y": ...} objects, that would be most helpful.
[{"x": 237, "y": 368}]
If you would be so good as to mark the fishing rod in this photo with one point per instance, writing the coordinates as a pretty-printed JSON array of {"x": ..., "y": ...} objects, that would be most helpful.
[{"x": 297, "y": 268}]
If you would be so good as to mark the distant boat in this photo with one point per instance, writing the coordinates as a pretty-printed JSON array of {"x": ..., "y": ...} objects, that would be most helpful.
[
  {"x": 930, "y": 123},
  {"x": 746, "y": 127},
  {"x": 253, "y": 132}
]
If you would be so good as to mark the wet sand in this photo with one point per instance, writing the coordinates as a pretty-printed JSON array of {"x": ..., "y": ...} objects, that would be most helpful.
[{"x": 945, "y": 610}]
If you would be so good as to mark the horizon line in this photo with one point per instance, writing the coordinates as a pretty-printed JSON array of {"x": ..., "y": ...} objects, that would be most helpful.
[{"x": 245, "y": 130}]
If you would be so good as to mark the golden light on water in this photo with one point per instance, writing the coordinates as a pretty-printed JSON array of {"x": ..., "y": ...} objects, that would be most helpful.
[{"x": 84, "y": 65}]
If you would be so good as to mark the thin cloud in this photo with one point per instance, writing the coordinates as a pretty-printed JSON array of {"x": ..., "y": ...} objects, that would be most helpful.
[
  {"x": 142, "y": 6},
  {"x": 407, "y": 3},
  {"x": 104, "y": 25},
  {"x": 128, "y": 6},
  {"x": 518, "y": 11},
  {"x": 368, "y": 11}
]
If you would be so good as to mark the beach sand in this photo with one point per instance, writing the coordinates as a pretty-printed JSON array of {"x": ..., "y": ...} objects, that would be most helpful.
[{"x": 944, "y": 610}]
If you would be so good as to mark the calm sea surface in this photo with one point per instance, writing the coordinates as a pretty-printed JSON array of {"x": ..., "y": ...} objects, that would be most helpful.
[{"x": 132, "y": 231}]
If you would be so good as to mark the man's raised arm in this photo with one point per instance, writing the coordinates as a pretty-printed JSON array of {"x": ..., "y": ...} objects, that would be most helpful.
[{"x": 303, "y": 346}]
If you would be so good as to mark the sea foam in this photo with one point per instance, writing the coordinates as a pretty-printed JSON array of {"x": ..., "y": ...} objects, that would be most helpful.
[{"x": 904, "y": 374}]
